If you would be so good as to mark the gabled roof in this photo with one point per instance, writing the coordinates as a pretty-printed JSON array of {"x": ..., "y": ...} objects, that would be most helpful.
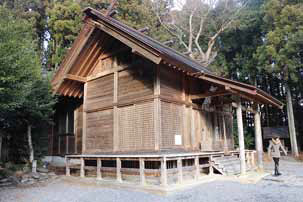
[
  {"x": 164, "y": 51},
  {"x": 149, "y": 48}
]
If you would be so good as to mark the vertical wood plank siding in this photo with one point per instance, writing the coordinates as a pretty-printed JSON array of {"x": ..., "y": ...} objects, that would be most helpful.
[{"x": 99, "y": 132}]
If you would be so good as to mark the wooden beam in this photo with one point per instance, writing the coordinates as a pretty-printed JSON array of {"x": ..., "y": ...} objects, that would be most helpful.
[
  {"x": 116, "y": 114},
  {"x": 157, "y": 108},
  {"x": 84, "y": 119},
  {"x": 106, "y": 72},
  {"x": 247, "y": 109},
  {"x": 75, "y": 78},
  {"x": 210, "y": 94},
  {"x": 228, "y": 85},
  {"x": 150, "y": 54}
]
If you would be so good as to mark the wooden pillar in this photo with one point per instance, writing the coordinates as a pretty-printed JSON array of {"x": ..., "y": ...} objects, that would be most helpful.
[
  {"x": 67, "y": 168},
  {"x": 197, "y": 168},
  {"x": 180, "y": 171},
  {"x": 185, "y": 131},
  {"x": 84, "y": 119},
  {"x": 99, "y": 166},
  {"x": 241, "y": 138},
  {"x": 116, "y": 112},
  {"x": 163, "y": 172},
  {"x": 224, "y": 134},
  {"x": 76, "y": 111},
  {"x": 82, "y": 171},
  {"x": 157, "y": 109},
  {"x": 258, "y": 140},
  {"x": 192, "y": 127},
  {"x": 142, "y": 168},
  {"x": 118, "y": 170}
]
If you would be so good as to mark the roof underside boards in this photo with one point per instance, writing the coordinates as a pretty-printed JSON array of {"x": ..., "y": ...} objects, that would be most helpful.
[
  {"x": 270, "y": 132},
  {"x": 243, "y": 90},
  {"x": 100, "y": 31}
]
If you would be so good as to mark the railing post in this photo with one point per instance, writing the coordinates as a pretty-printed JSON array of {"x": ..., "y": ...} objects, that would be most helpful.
[
  {"x": 253, "y": 163},
  {"x": 118, "y": 169},
  {"x": 163, "y": 172},
  {"x": 99, "y": 165},
  {"x": 211, "y": 168},
  {"x": 142, "y": 168},
  {"x": 180, "y": 171},
  {"x": 67, "y": 168},
  {"x": 197, "y": 166},
  {"x": 82, "y": 171}
]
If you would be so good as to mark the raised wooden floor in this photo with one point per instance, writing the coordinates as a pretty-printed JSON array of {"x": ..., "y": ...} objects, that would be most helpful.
[{"x": 164, "y": 165}]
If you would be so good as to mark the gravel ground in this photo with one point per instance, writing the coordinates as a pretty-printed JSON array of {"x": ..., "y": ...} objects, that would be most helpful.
[{"x": 267, "y": 190}]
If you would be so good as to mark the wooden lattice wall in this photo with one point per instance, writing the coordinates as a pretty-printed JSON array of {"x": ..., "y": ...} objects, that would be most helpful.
[
  {"x": 136, "y": 130},
  {"x": 171, "y": 124}
]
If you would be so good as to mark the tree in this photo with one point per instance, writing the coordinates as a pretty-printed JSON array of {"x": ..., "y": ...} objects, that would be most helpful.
[
  {"x": 36, "y": 109},
  {"x": 198, "y": 25},
  {"x": 19, "y": 62},
  {"x": 24, "y": 97},
  {"x": 281, "y": 54},
  {"x": 64, "y": 24}
]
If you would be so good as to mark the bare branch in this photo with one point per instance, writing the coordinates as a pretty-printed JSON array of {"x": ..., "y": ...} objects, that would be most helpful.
[
  {"x": 190, "y": 38},
  {"x": 170, "y": 30}
]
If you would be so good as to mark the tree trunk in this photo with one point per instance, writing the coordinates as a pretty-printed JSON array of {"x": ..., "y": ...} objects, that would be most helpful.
[
  {"x": 291, "y": 122},
  {"x": 30, "y": 144}
]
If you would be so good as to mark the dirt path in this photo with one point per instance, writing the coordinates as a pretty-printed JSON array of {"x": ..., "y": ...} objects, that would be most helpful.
[{"x": 287, "y": 187}]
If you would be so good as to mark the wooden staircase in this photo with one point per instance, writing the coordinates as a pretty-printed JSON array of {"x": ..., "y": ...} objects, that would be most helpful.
[{"x": 227, "y": 165}]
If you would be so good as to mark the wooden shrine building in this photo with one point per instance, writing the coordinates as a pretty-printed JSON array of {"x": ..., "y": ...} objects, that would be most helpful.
[{"x": 131, "y": 104}]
